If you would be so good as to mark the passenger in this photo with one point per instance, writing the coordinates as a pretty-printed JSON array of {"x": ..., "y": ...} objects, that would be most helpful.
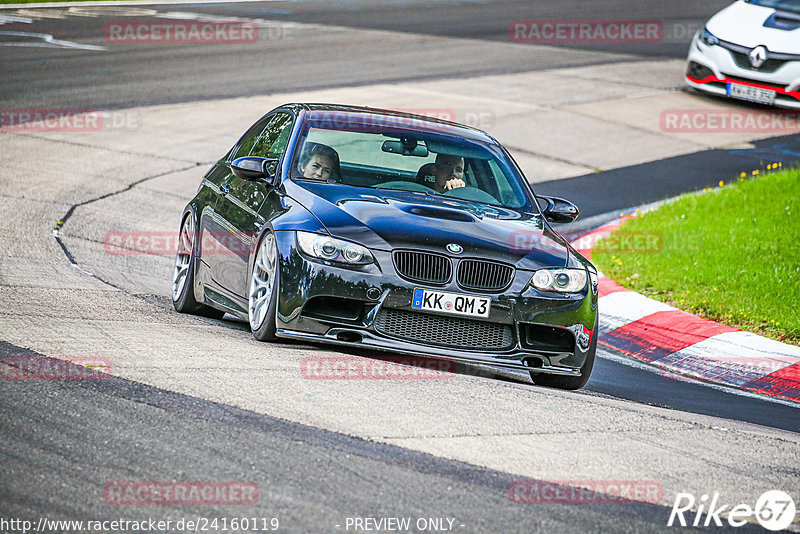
[
  {"x": 319, "y": 162},
  {"x": 449, "y": 172}
]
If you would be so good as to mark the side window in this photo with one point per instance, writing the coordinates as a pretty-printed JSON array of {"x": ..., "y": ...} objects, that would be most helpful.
[
  {"x": 249, "y": 139},
  {"x": 501, "y": 181},
  {"x": 469, "y": 174},
  {"x": 272, "y": 142}
]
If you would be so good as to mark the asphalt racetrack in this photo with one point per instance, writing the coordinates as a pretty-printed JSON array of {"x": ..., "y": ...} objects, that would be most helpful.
[{"x": 196, "y": 399}]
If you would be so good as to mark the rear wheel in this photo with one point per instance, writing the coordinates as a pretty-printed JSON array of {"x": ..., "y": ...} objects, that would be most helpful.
[
  {"x": 263, "y": 295},
  {"x": 183, "y": 274},
  {"x": 571, "y": 382}
]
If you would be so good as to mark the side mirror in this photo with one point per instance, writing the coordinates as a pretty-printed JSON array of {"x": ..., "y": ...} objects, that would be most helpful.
[
  {"x": 558, "y": 210},
  {"x": 253, "y": 168}
]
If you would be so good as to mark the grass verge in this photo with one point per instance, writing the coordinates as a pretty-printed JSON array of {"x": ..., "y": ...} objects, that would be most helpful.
[{"x": 730, "y": 254}]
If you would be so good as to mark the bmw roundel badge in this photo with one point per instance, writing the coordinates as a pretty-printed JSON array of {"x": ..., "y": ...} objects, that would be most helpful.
[{"x": 455, "y": 248}]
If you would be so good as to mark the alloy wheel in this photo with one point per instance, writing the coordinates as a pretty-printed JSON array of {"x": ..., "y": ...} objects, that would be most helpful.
[
  {"x": 183, "y": 257},
  {"x": 262, "y": 281}
]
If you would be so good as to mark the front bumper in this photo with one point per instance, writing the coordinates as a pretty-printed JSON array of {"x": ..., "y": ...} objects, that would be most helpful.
[
  {"x": 722, "y": 68},
  {"x": 368, "y": 291}
]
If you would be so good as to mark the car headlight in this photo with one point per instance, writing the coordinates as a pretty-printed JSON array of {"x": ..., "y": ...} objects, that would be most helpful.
[
  {"x": 329, "y": 248},
  {"x": 708, "y": 38},
  {"x": 561, "y": 280}
]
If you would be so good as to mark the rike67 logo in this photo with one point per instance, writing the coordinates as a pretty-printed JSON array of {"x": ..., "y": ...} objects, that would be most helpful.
[{"x": 774, "y": 510}]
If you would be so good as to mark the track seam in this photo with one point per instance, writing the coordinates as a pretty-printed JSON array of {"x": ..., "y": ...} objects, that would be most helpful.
[{"x": 60, "y": 224}]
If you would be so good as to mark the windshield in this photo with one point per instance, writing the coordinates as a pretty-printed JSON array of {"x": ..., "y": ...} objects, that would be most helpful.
[
  {"x": 392, "y": 158},
  {"x": 783, "y": 5}
]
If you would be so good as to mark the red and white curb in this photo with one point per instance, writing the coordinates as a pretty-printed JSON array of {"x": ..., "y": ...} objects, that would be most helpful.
[{"x": 682, "y": 343}]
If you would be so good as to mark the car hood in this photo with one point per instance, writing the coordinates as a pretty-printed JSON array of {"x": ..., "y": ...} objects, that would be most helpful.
[
  {"x": 388, "y": 220},
  {"x": 750, "y": 25}
]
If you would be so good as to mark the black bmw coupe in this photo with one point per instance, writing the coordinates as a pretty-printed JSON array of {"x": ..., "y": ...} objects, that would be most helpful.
[{"x": 391, "y": 231}]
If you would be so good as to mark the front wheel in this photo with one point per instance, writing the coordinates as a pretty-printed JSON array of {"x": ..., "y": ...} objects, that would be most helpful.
[
  {"x": 571, "y": 382},
  {"x": 183, "y": 274},
  {"x": 263, "y": 294}
]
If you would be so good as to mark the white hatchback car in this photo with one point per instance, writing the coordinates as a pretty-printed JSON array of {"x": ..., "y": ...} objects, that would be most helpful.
[{"x": 751, "y": 51}]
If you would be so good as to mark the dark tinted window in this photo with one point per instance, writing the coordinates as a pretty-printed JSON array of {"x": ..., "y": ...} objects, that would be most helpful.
[
  {"x": 783, "y": 5},
  {"x": 249, "y": 139},
  {"x": 367, "y": 158},
  {"x": 272, "y": 141}
]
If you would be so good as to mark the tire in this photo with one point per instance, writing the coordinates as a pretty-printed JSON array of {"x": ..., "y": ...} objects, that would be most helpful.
[
  {"x": 262, "y": 297},
  {"x": 571, "y": 382},
  {"x": 183, "y": 274}
]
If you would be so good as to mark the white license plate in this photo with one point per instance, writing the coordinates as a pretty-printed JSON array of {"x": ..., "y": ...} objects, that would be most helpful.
[
  {"x": 438, "y": 301},
  {"x": 752, "y": 94}
]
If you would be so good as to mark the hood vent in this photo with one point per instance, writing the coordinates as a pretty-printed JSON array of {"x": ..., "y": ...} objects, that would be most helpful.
[
  {"x": 783, "y": 20},
  {"x": 435, "y": 212},
  {"x": 439, "y": 213}
]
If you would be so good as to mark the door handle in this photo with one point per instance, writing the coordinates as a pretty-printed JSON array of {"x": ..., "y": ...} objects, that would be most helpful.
[{"x": 224, "y": 189}]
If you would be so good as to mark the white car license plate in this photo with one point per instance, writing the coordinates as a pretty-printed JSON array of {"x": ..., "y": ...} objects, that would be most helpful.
[
  {"x": 753, "y": 94},
  {"x": 438, "y": 301}
]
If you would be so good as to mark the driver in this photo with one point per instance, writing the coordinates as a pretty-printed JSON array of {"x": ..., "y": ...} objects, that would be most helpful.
[
  {"x": 449, "y": 172},
  {"x": 318, "y": 162}
]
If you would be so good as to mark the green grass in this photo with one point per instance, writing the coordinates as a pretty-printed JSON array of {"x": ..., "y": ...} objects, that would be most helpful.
[{"x": 730, "y": 254}]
